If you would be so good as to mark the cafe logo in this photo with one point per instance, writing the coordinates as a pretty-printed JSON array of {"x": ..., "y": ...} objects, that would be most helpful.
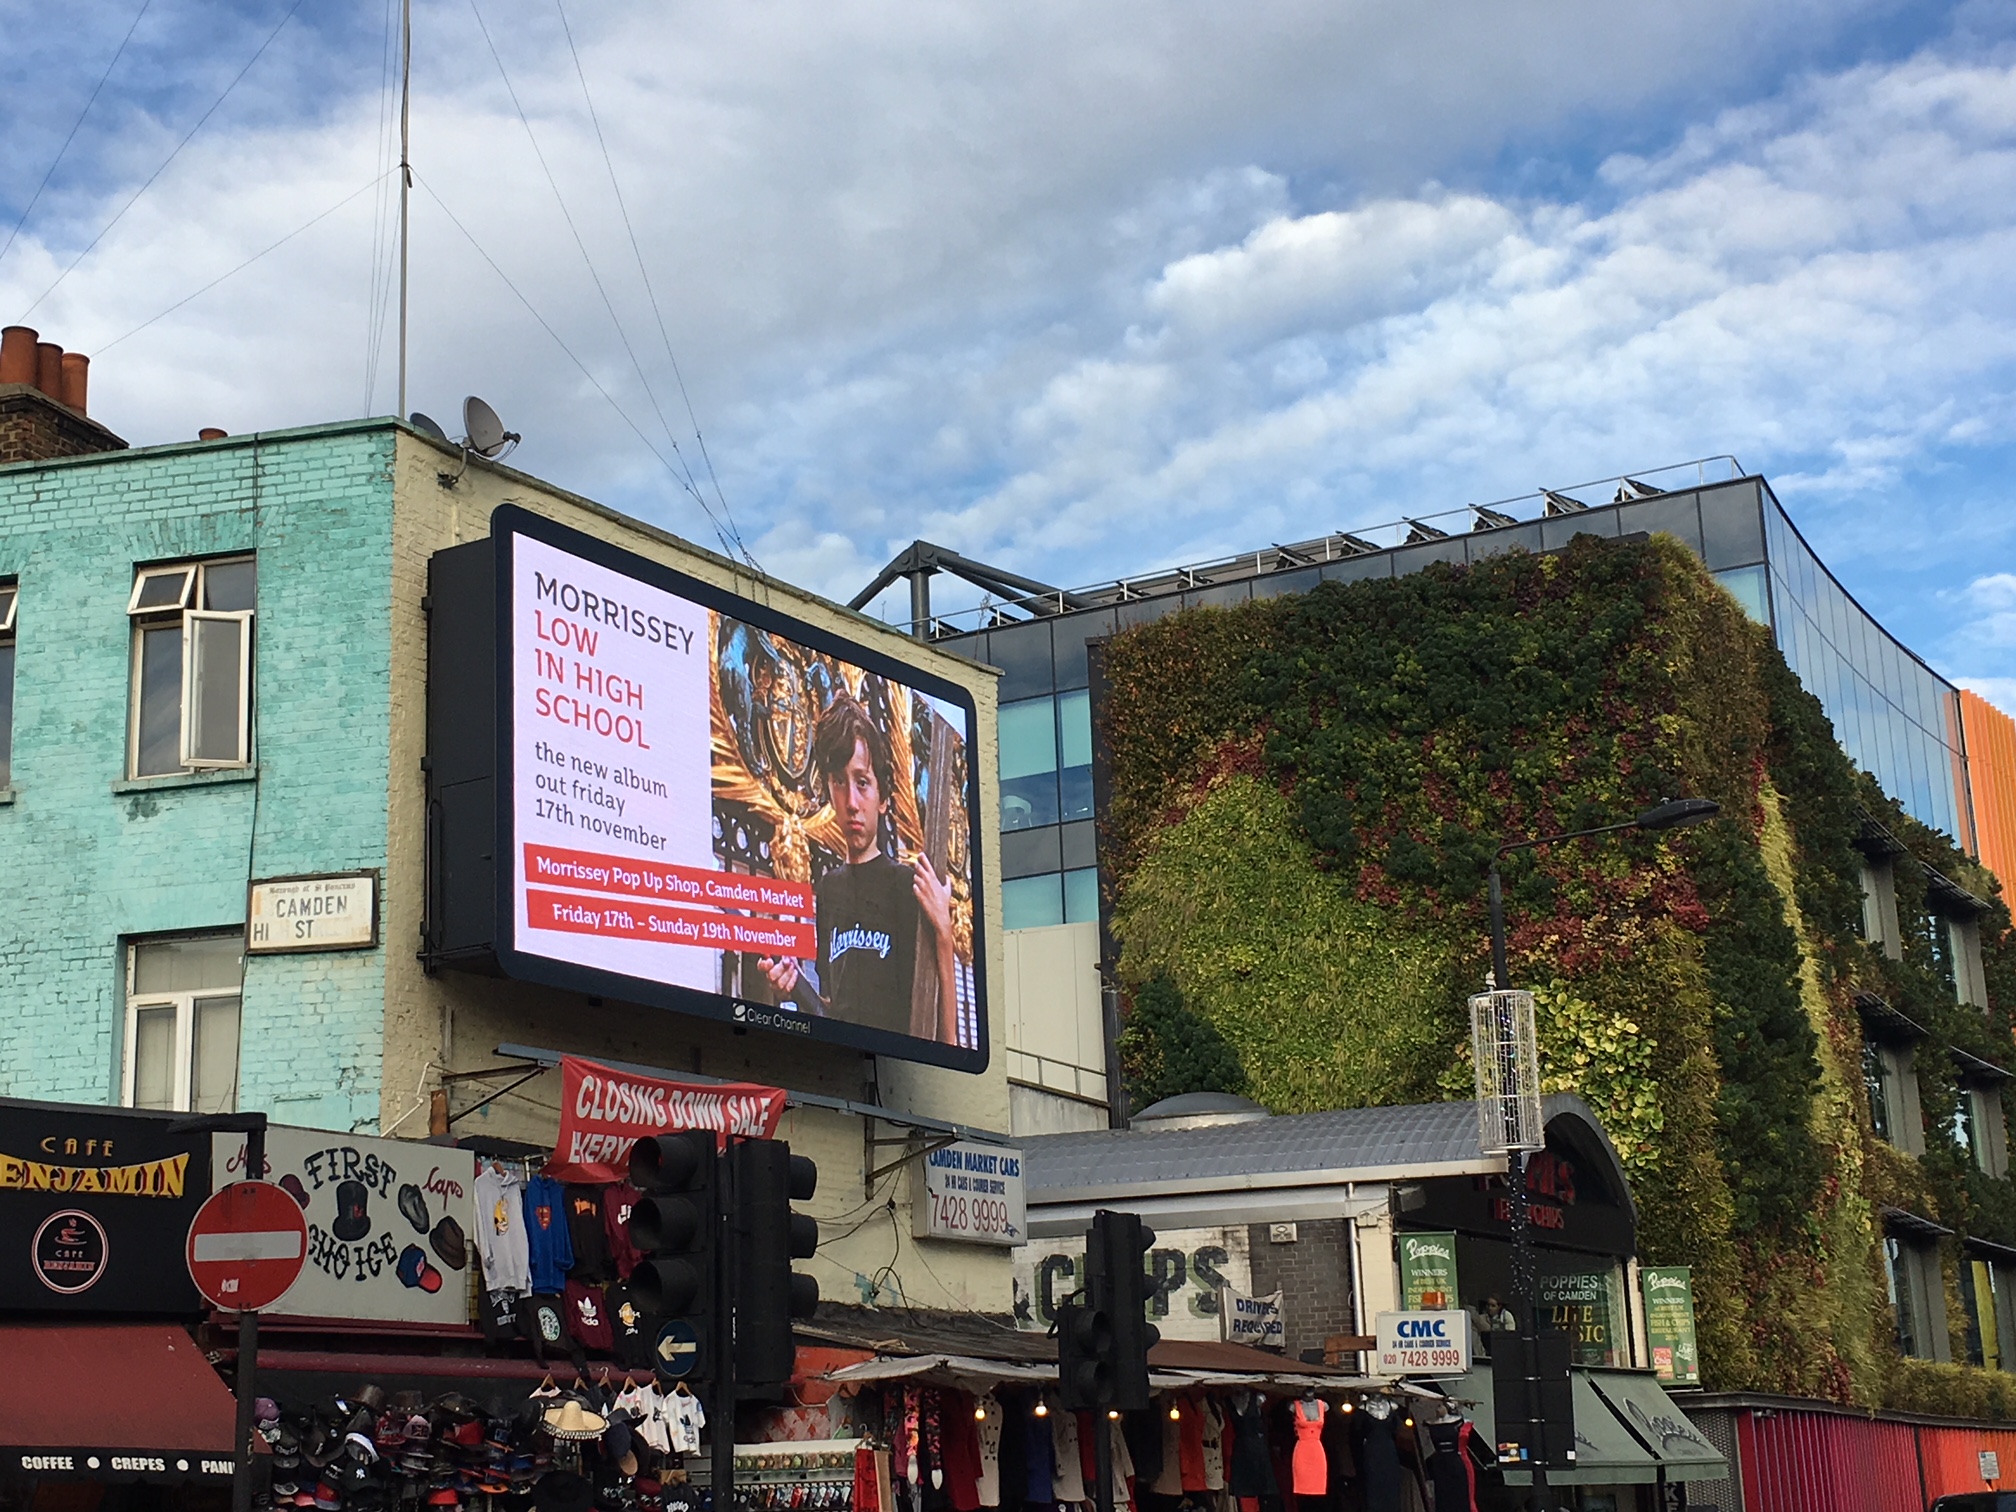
[{"x": 69, "y": 1252}]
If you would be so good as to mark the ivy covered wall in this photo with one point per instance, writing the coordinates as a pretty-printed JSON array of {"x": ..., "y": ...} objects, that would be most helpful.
[{"x": 1303, "y": 797}]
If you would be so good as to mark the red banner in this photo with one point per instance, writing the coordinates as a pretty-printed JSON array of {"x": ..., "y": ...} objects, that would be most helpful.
[{"x": 603, "y": 1112}]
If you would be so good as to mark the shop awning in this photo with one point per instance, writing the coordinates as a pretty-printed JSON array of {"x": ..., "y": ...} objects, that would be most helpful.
[
  {"x": 1609, "y": 1451},
  {"x": 112, "y": 1401},
  {"x": 1657, "y": 1422}
]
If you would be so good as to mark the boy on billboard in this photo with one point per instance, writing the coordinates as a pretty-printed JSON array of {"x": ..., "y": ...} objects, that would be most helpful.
[{"x": 874, "y": 913}]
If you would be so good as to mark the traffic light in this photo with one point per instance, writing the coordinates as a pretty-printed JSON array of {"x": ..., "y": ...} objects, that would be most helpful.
[
  {"x": 1115, "y": 1254},
  {"x": 768, "y": 1293},
  {"x": 1084, "y": 1358},
  {"x": 674, "y": 1225}
]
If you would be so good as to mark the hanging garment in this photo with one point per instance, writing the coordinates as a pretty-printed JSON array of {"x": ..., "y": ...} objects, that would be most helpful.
[
  {"x": 907, "y": 1446},
  {"x": 687, "y": 1417},
  {"x": 1040, "y": 1453},
  {"x": 1068, "y": 1478},
  {"x": 1144, "y": 1447},
  {"x": 617, "y": 1201},
  {"x": 500, "y": 1227},
  {"x": 962, "y": 1453},
  {"x": 1014, "y": 1449},
  {"x": 1169, "y": 1479},
  {"x": 588, "y": 1315},
  {"x": 1343, "y": 1467},
  {"x": 1252, "y": 1466},
  {"x": 1453, "y": 1469},
  {"x": 987, "y": 1434},
  {"x": 1379, "y": 1461},
  {"x": 1213, "y": 1445},
  {"x": 546, "y": 1238},
  {"x": 586, "y": 1234},
  {"x": 1190, "y": 1442},
  {"x": 866, "y": 1498},
  {"x": 1311, "y": 1464}
]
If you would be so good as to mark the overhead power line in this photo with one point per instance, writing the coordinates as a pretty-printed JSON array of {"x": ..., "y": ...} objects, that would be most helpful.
[
  {"x": 187, "y": 136},
  {"x": 644, "y": 275},
  {"x": 720, "y": 533},
  {"x": 683, "y": 473},
  {"x": 221, "y": 277},
  {"x": 76, "y": 126}
]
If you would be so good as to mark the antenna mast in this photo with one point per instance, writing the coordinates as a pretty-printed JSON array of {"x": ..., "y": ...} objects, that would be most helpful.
[{"x": 405, "y": 174}]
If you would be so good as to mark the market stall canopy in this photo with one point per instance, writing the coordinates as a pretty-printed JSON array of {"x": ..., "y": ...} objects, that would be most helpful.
[
  {"x": 1609, "y": 1449},
  {"x": 1659, "y": 1424},
  {"x": 112, "y": 1401}
]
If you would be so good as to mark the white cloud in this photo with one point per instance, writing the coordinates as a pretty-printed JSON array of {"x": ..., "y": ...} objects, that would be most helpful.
[{"x": 1087, "y": 289}]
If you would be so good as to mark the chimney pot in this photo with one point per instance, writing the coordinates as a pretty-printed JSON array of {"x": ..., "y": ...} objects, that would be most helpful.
[
  {"x": 17, "y": 354},
  {"x": 49, "y": 368},
  {"x": 76, "y": 380},
  {"x": 211, "y": 433}
]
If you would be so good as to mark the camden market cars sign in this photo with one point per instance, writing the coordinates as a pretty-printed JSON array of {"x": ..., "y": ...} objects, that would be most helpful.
[{"x": 91, "y": 1200}]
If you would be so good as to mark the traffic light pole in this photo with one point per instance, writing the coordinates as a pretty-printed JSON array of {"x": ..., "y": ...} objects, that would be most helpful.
[
  {"x": 721, "y": 1409},
  {"x": 1102, "y": 1443}
]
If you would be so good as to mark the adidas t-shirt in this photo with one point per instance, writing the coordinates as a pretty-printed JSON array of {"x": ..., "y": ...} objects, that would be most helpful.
[
  {"x": 584, "y": 1228},
  {"x": 868, "y": 923}
]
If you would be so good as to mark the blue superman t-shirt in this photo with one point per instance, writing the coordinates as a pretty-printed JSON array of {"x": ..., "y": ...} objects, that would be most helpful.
[{"x": 546, "y": 1238}]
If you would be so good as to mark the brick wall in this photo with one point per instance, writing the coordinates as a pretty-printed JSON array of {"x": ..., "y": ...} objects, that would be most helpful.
[
  {"x": 93, "y": 859},
  {"x": 35, "y": 428},
  {"x": 1313, "y": 1275}
]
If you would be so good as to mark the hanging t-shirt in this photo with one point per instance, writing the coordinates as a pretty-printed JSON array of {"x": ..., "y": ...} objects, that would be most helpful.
[
  {"x": 588, "y": 1314},
  {"x": 585, "y": 1233},
  {"x": 500, "y": 1228},
  {"x": 547, "y": 1244},
  {"x": 617, "y": 1201},
  {"x": 867, "y": 913},
  {"x": 687, "y": 1418},
  {"x": 630, "y": 1330},
  {"x": 987, "y": 1431}
]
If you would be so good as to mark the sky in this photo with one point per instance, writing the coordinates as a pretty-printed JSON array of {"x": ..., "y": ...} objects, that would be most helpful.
[{"x": 1078, "y": 290}]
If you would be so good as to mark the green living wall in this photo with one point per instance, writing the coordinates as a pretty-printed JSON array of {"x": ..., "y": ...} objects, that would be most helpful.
[{"x": 1304, "y": 795}]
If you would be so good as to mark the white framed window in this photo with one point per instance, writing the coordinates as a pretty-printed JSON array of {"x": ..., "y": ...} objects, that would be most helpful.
[
  {"x": 183, "y": 1001},
  {"x": 192, "y": 667},
  {"x": 10, "y": 597}
]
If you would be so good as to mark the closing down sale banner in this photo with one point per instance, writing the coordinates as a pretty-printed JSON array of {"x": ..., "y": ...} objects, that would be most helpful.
[{"x": 604, "y": 1111}]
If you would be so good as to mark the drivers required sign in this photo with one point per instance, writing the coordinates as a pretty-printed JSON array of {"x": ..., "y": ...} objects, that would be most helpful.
[{"x": 1422, "y": 1343}]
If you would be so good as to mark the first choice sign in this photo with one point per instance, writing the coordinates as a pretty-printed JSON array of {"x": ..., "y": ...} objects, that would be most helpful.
[
  {"x": 1422, "y": 1343},
  {"x": 336, "y": 912}
]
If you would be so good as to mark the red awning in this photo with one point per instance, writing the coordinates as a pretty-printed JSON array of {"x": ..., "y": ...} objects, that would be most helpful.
[{"x": 112, "y": 1401}]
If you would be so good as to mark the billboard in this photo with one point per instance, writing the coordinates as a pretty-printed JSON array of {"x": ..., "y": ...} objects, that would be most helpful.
[{"x": 710, "y": 806}]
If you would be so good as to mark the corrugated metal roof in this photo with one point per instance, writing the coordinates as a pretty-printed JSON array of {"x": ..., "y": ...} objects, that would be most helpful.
[{"x": 1347, "y": 1139}]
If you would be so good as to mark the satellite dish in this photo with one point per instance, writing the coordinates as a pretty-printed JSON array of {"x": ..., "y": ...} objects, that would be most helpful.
[
  {"x": 485, "y": 433},
  {"x": 426, "y": 426}
]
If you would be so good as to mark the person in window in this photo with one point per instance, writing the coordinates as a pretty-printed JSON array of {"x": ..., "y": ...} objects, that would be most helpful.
[
  {"x": 874, "y": 913},
  {"x": 1492, "y": 1316}
]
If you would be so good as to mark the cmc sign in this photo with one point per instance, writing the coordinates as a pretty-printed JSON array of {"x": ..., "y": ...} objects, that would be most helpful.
[
  {"x": 707, "y": 805},
  {"x": 1422, "y": 1343}
]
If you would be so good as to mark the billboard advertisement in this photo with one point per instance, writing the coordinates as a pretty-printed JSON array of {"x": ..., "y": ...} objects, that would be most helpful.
[{"x": 710, "y": 806}]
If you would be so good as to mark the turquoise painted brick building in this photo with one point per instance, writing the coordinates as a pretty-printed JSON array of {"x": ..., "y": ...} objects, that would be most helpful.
[{"x": 128, "y": 835}]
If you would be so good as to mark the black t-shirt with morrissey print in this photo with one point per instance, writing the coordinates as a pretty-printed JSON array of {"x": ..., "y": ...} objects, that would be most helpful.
[{"x": 868, "y": 923}]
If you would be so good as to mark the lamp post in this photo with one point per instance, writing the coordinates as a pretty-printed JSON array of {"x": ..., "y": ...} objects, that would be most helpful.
[{"x": 1505, "y": 1048}]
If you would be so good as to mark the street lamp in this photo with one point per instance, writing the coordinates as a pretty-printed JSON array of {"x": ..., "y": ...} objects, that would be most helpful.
[{"x": 1506, "y": 1053}]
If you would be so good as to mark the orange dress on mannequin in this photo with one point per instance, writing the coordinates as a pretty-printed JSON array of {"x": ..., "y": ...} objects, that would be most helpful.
[{"x": 1311, "y": 1465}]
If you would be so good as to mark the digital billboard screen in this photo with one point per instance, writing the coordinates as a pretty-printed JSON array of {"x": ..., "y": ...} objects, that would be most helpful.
[{"x": 710, "y": 806}]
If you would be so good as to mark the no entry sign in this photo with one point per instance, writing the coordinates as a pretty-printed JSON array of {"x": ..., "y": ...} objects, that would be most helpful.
[{"x": 247, "y": 1246}]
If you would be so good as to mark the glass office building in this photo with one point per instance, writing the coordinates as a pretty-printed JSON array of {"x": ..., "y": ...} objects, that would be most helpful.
[{"x": 1894, "y": 715}]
